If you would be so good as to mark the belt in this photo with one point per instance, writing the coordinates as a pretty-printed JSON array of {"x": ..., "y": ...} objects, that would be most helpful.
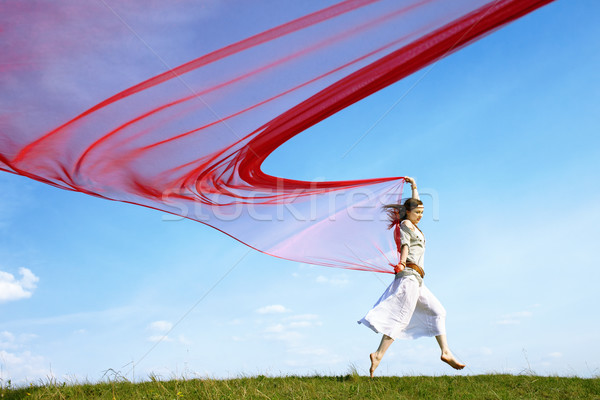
[{"x": 416, "y": 268}]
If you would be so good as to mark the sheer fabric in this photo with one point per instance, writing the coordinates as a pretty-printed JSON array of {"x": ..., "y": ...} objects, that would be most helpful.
[{"x": 175, "y": 106}]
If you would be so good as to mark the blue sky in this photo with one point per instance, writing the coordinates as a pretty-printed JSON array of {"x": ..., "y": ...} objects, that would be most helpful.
[{"x": 502, "y": 139}]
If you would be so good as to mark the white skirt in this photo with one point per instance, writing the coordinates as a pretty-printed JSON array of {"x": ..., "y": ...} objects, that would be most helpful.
[{"x": 407, "y": 310}]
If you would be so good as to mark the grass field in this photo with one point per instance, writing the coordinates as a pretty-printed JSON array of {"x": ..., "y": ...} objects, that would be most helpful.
[{"x": 322, "y": 387}]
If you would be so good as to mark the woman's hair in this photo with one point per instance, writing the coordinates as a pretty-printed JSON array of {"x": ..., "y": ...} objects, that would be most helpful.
[{"x": 397, "y": 212}]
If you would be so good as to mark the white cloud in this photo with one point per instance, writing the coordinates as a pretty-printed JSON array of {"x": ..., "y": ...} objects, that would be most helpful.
[
  {"x": 555, "y": 354},
  {"x": 6, "y": 336},
  {"x": 278, "y": 328},
  {"x": 310, "y": 351},
  {"x": 161, "y": 329},
  {"x": 22, "y": 367},
  {"x": 273, "y": 309},
  {"x": 16, "y": 289},
  {"x": 508, "y": 322},
  {"x": 181, "y": 339},
  {"x": 300, "y": 324},
  {"x": 293, "y": 322},
  {"x": 161, "y": 326},
  {"x": 287, "y": 329},
  {"x": 9, "y": 340},
  {"x": 290, "y": 338},
  {"x": 15, "y": 363}
]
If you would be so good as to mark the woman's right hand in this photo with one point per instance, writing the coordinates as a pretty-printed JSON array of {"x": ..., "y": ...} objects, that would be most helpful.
[
  {"x": 399, "y": 267},
  {"x": 410, "y": 180}
]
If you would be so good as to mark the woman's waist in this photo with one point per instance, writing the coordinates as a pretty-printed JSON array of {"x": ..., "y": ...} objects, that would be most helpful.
[
  {"x": 416, "y": 267},
  {"x": 412, "y": 270}
]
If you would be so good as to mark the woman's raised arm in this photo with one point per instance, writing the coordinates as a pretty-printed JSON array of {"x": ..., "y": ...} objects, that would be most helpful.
[{"x": 413, "y": 183}]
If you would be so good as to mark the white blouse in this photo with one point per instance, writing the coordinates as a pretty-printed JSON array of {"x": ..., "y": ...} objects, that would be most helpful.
[{"x": 415, "y": 241}]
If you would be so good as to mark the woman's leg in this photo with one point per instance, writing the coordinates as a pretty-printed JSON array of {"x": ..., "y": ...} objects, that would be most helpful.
[
  {"x": 393, "y": 314},
  {"x": 447, "y": 355},
  {"x": 376, "y": 357},
  {"x": 431, "y": 310}
]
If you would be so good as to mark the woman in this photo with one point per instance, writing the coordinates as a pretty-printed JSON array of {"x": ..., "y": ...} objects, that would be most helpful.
[{"x": 407, "y": 309}]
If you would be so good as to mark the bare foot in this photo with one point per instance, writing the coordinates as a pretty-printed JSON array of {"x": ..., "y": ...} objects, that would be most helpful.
[
  {"x": 449, "y": 359},
  {"x": 374, "y": 363}
]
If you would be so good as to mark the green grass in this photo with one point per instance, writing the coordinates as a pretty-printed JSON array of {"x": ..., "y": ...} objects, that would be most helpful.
[{"x": 322, "y": 387}]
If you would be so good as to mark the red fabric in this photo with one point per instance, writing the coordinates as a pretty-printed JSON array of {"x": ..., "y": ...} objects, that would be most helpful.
[{"x": 176, "y": 105}]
